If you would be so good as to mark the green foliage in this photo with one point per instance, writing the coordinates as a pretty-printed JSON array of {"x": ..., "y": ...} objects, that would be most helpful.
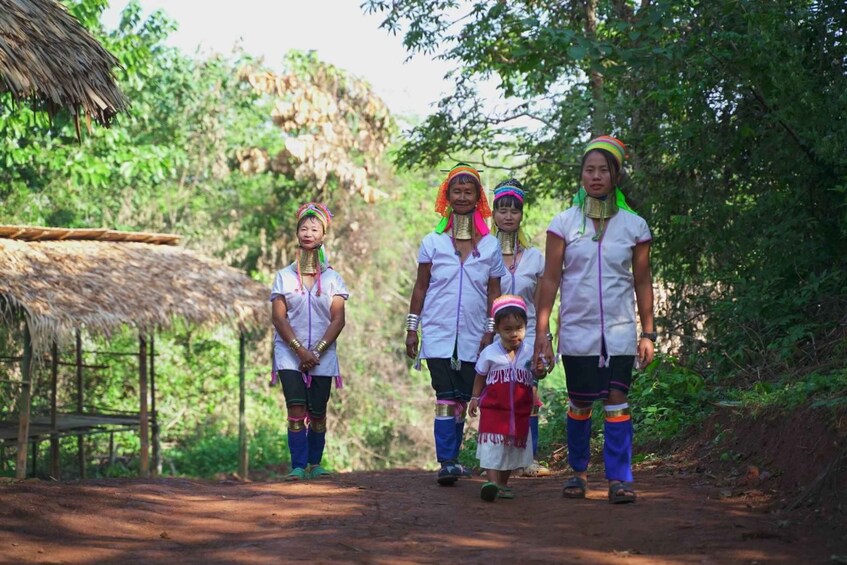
[
  {"x": 667, "y": 399},
  {"x": 731, "y": 114}
]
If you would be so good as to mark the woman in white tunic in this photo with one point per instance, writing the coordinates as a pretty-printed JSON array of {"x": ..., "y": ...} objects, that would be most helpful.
[
  {"x": 598, "y": 253},
  {"x": 524, "y": 264},
  {"x": 459, "y": 270},
  {"x": 308, "y": 315}
]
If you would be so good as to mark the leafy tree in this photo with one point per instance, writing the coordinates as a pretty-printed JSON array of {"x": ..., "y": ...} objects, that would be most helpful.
[{"x": 730, "y": 113}]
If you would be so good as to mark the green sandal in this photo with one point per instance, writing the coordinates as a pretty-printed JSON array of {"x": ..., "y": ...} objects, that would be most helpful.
[
  {"x": 489, "y": 492},
  {"x": 505, "y": 492},
  {"x": 318, "y": 472},
  {"x": 297, "y": 474},
  {"x": 621, "y": 492},
  {"x": 575, "y": 488}
]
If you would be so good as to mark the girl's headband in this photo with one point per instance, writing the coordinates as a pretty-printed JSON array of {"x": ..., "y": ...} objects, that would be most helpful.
[{"x": 506, "y": 301}]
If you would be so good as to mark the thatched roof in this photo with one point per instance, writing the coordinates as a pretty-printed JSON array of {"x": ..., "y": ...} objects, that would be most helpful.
[
  {"x": 65, "y": 284},
  {"x": 47, "y": 56}
]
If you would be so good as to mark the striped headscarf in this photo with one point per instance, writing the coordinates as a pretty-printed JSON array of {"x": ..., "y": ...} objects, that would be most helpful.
[
  {"x": 611, "y": 144},
  {"x": 316, "y": 209}
]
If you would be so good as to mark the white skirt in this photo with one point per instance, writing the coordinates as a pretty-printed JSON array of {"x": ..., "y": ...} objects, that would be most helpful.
[{"x": 499, "y": 457}]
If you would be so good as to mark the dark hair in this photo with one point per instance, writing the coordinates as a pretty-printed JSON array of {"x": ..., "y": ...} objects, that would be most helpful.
[
  {"x": 610, "y": 161},
  {"x": 514, "y": 311}
]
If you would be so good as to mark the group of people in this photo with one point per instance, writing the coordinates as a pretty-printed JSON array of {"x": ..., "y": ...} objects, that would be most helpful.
[{"x": 482, "y": 302}]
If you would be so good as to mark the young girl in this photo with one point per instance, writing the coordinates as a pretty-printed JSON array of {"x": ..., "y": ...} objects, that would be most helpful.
[
  {"x": 308, "y": 315},
  {"x": 503, "y": 392}
]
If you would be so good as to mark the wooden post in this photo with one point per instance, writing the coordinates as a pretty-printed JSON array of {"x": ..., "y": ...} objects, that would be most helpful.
[
  {"x": 144, "y": 422},
  {"x": 25, "y": 401},
  {"x": 242, "y": 420},
  {"x": 80, "y": 397},
  {"x": 157, "y": 458},
  {"x": 111, "y": 449},
  {"x": 55, "y": 467}
]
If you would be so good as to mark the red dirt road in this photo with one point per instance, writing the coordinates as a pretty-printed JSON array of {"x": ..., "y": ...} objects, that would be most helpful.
[{"x": 398, "y": 516}]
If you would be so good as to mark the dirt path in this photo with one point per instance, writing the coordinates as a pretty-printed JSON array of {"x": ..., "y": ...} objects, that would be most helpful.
[{"x": 398, "y": 516}]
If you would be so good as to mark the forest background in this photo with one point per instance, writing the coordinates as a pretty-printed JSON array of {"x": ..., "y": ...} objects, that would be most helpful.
[{"x": 734, "y": 114}]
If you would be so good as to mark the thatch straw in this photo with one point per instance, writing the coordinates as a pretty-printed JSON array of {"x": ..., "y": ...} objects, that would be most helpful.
[
  {"x": 47, "y": 56},
  {"x": 98, "y": 286}
]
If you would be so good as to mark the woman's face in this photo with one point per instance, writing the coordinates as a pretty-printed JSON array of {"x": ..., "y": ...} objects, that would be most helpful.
[
  {"x": 462, "y": 197},
  {"x": 507, "y": 218},
  {"x": 310, "y": 234},
  {"x": 597, "y": 177}
]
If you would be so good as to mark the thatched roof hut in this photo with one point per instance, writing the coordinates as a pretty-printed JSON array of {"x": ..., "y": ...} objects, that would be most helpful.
[
  {"x": 100, "y": 280},
  {"x": 46, "y": 56},
  {"x": 67, "y": 280}
]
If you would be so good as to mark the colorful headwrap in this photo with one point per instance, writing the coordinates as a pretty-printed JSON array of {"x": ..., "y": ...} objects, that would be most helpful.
[
  {"x": 482, "y": 211},
  {"x": 316, "y": 209},
  {"x": 509, "y": 190},
  {"x": 611, "y": 144},
  {"x": 505, "y": 301}
]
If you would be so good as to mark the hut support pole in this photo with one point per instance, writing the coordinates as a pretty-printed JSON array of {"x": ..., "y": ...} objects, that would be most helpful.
[
  {"x": 25, "y": 401},
  {"x": 143, "y": 416},
  {"x": 242, "y": 420},
  {"x": 55, "y": 469},
  {"x": 157, "y": 455},
  {"x": 80, "y": 397}
]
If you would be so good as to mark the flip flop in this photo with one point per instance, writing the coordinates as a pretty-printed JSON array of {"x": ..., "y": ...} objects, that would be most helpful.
[
  {"x": 505, "y": 492},
  {"x": 489, "y": 492},
  {"x": 297, "y": 474},
  {"x": 575, "y": 488},
  {"x": 621, "y": 492}
]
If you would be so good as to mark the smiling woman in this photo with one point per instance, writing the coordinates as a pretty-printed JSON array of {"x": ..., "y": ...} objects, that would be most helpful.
[{"x": 459, "y": 270}]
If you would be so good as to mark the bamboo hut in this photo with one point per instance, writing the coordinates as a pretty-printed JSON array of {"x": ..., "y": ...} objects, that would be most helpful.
[
  {"x": 47, "y": 58},
  {"x": 63, "y": 281}
]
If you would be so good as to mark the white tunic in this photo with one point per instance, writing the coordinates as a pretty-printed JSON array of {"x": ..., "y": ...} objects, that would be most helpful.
[
  {"x": 522, "y": 282},
  {"x": 456, "y": 302},
  {"x": 309, "y": 317},
  {"x": 598, "y": 298}
]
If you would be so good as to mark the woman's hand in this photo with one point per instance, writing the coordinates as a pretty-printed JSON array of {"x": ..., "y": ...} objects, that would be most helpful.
[
  {"x": 412, "y": 344},
  {"x": 543, "y": 355},
  {"x": 487, "y": 339},
  {"x": 308, "y": 359},
  {"x": 473, "y": 407},
  {"x": 645, "y": 352}
]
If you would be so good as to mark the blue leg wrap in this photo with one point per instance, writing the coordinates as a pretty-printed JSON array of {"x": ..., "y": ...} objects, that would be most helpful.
[
  {"x": 446, "y": 446},
  {"x": 617, "y": 450},
  {"x": 579, "y": 439},
  {"x": 298, "y": 446},
  {"x": 533, "y": 428},
  {"x": 317, "y": 441}
]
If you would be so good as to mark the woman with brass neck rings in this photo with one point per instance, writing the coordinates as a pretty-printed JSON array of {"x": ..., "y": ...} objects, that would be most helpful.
[
  {"x": 598, "y": 255},
  {"x": 458, "y": 278},
  {"x": 308, "y": 300}
]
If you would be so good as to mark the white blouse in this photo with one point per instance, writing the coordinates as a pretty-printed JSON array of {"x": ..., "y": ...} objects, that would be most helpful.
[
  {"x": 456, "y": 304},
  {"x": 597, "y": 290},
  {"x": 309, "y": 316},
  {"x": 522, "y": 282}
]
